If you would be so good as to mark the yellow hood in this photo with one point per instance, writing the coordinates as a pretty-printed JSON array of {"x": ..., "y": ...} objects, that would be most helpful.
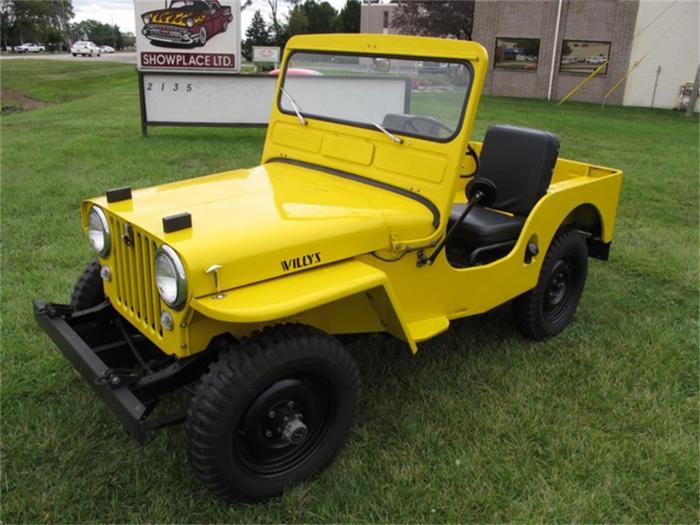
[{"x": 271, "y": 220}]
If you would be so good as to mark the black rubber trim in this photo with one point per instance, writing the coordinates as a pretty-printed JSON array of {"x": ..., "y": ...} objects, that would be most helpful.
[
  {"x": 177, "y": 222},
  {"x": 366, "y": 180},
  {"x": 119, "y": 194}
]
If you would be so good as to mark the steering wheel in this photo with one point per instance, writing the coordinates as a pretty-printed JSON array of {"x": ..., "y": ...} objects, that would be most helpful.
[{"x": 428, "y": 120}]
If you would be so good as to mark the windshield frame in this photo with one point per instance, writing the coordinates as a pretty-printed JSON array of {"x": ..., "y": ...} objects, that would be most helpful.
[{"x": 366, "y": 125}]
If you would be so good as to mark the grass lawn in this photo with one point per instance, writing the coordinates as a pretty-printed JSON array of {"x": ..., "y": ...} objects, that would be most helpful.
[{"x": 599, "y": 424}]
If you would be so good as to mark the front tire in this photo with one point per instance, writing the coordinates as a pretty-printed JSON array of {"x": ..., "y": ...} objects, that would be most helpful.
[
  {"x": 88, "y": 290},
  {"x": 203, "y": 36},
  {"x": 548, "y": 308},
  {"x": 272, "y": 411}
]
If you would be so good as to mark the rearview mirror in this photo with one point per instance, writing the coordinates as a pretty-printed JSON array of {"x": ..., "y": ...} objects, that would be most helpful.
[{"x": 485, "y": 187}]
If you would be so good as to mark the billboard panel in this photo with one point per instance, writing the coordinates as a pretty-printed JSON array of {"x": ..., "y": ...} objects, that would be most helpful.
[
  {"x": 266, "y": 54},
  {"x": 188, "y": 35}
]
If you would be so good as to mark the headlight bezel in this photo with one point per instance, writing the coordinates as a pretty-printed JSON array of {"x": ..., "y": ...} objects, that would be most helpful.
[
  {"x": 106, "y": 234},
  {"x": 180, "y": 276},
  {"x": 146, "y": 19},
  {"x": 189, "y": 22}
]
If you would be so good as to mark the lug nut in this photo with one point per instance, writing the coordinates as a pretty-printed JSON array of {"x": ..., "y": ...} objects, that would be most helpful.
[
  {"x": 290, "y": 404},
  {"x": 268, "y": 433},
  {"x": 271, "y": 414}
]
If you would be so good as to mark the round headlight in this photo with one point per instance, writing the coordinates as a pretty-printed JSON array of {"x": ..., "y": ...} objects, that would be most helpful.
[
  {"x": 98, "y": 231},
  {"x": 146, "y": 19},
  {"x": 189, "y": 22},
  {"x": 170, "y": 277}
]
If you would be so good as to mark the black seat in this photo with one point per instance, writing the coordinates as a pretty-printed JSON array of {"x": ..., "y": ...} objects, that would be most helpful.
[{"x": 519, "y": 161}]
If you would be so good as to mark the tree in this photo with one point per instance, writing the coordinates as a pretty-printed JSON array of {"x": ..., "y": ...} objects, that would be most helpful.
[
  {"x": 27, "y": 20},
  {"x": 297, "y": 23},
  {"x": 322, "y": 16},
  {"x": 435, "y": 18},
  {"x": 349, "y": 17},
  {"x": 278, "y": 31},
  {"x": 257, "y": 34},
  {"x": 99, "y": 33},
  {"x": 129, "y": 39}
]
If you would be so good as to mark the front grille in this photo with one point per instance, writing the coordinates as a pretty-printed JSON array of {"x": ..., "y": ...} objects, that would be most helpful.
[
  {"x": 163, "y": 30},
  {"x": 135, "y": 284}
]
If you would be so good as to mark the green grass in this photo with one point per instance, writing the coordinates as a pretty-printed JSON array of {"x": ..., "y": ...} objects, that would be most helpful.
[{"x": 599, "y": 424}]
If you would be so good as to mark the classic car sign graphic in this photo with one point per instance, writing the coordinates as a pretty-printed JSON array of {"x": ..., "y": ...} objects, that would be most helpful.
[{"x": 188, "y": 34}]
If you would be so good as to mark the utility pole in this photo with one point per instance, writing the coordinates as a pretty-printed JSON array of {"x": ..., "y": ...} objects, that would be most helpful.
[{"x": 693, "y": 94}]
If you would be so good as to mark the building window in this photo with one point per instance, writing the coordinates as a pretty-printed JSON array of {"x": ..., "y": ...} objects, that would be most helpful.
[
  {"x": 517, "y": 53},
  {"x": 584, "y": 56},
  {"x": 385, "y": 20}
]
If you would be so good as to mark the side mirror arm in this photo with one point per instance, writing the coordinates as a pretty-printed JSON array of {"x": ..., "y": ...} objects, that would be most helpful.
[{"x": 479, "y": 191}]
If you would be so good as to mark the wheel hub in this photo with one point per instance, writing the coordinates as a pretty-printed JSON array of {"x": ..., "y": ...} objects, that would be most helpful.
[
  {"x": 294, "y": 431},
  {"x": 285, "y": 424},
  {"x": 559, "y": 288}
]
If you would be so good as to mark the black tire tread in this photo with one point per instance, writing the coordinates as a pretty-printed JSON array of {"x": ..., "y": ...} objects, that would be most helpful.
[
  {"x": 88, "y": 290},
  {"x": 527, "y": 308},
  {"x": 227, "y": 377}
]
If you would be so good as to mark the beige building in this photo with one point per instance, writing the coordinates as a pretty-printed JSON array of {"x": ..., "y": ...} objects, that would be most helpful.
[
  {"x": 667, "y": 49},
  {"x": 377, "y": 18},
  {"x": 545, "y": 48}
]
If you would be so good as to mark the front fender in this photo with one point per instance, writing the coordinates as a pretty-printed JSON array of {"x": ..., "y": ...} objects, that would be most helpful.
[{"x": 324, "y": 288}]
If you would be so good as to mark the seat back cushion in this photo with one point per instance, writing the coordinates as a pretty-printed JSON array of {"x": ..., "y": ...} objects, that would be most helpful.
[{"x": 519, "y": 161}]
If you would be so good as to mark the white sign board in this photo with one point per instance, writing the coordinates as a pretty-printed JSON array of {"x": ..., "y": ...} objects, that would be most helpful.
[
  {"x": 266, "y": 54},
  {"x": 208, "y": 99},
  {"x": 188, "y": 35},
  {"x": 196, "y": 99}
]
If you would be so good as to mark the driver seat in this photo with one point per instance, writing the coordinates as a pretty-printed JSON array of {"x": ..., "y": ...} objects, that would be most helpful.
[{"x": 520, "y": 162}]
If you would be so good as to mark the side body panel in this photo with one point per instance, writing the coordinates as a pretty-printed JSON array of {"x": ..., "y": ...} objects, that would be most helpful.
[{"x": 369, "y": 294}]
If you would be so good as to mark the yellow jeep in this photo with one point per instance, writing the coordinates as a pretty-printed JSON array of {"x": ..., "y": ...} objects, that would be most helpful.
[{"x": 371, "y": 211}]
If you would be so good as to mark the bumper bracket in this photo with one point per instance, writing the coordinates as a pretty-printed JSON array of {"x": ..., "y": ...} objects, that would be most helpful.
[{"x": 97, "y": 349}]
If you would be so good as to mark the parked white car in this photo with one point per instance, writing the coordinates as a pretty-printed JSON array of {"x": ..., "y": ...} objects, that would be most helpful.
[
  {"x": 84, "y": 48},
  {"x": 596, "y": 60},
  {"x": 106, "y": 49},
  {"x": 30, "y": 47}
]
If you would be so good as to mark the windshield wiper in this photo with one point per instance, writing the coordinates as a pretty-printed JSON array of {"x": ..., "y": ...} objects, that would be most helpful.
[
  {"x": 381, "y": 128},
  {"x": 295, "y": 107}
]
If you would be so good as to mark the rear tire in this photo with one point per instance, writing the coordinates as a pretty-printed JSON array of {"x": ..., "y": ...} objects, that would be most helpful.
[
  {"x": 88, "y": 290},
  {"x": 548, "y": 308},
  {"x": 273, "y": 410}
]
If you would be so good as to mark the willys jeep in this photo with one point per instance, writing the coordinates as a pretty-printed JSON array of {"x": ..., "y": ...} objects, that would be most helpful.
[{"x": 371, "y": 211}]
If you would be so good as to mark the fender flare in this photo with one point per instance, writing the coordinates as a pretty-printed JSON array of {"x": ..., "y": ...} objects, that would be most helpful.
[{"x": 283, "y": 297}]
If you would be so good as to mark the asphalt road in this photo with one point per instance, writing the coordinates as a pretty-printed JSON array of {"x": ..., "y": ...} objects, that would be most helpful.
[{"x": 126, "y": 58}]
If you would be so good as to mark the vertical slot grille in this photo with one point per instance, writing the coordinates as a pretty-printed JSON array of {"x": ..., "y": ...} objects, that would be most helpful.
[{"x": 135, "y": 284}]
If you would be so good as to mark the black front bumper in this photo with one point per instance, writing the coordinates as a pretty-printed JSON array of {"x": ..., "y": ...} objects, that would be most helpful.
[{"x": 125, "y": 370}]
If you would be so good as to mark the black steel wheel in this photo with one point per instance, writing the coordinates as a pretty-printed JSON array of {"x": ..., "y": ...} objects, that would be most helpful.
[
  {"x": 88, "y": 290},
  {"x": 548, "y": 308},
  {"x": 273, "y": 410}
]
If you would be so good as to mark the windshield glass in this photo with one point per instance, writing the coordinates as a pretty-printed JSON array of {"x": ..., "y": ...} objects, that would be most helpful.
[
  {"x": 423, "y": 98},
  {"x": 189, "y": 5}
]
